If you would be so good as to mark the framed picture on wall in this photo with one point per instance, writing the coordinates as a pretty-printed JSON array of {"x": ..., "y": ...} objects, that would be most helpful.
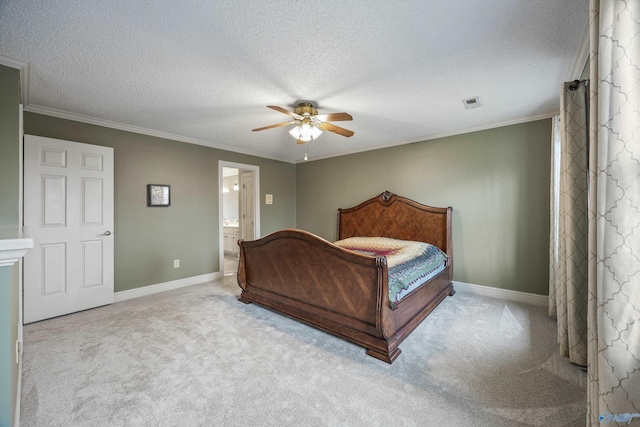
[{"x": 158, "y": 195}]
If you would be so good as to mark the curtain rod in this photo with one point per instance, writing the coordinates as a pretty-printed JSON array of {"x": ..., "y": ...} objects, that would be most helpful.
[{"x": 574, "y": 84}]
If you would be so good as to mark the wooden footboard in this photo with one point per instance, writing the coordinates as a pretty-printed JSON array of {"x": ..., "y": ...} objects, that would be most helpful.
[
  {"x": 305, "y": 277},
  {"x": 308, "y": 278}
]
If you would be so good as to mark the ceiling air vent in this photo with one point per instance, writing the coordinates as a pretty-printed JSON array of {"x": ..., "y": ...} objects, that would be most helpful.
[{"x": 471, "y": 103}]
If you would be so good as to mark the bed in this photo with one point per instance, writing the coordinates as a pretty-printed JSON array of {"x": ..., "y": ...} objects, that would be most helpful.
[{"x": 346, "y": 292}]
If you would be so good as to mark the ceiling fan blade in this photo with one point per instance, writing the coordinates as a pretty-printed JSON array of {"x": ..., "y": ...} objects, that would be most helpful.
[
  {"x": 335, "y": 129},
  {"x": 283, "y": 111},
  {"x": 334, "y": 117},
  {"x": 274, "y": 126}
]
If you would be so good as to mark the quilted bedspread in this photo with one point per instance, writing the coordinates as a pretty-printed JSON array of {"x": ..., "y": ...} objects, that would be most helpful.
[{"x": 410, "y": 263}]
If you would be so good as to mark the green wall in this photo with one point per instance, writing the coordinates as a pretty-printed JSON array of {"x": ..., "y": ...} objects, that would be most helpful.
[
  {"x": 9, "y": 154},
  {"x": 9, "y": 211},
  {"x": 497, "y": 182},
  {"x": 147, "y": 240}
]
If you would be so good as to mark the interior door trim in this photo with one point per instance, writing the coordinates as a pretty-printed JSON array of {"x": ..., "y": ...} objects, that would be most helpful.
[{"x": 256, "y": 203}]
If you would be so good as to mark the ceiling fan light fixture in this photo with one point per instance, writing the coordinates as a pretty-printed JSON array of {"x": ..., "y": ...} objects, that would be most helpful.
[
  {"x": 315, "y": 132},
  {"x": 305, "y": 132},
  {"x": 295, "y": 132},
  {"x": 305, "y": 129},
  {"x": 308, "y": 124}
]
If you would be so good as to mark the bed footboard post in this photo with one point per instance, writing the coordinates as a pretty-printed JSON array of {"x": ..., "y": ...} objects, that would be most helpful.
[
  {"x": 388, "y": 356},
  {"x": 449, "y": 250},
  {"x": 242, "y": 274}
]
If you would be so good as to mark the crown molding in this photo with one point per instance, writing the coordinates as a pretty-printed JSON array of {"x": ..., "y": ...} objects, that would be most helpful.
[
  {"x": 23, "y": 66},
  {"x": 535, "y": 118},
  {"x": 150, "y": 132},
  {"x": 158, "y": 134},
  {"x": 582, "y": 56}
]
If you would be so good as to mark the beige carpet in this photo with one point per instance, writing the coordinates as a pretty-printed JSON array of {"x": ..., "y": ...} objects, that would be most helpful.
[{"x": 198, "y": 357}]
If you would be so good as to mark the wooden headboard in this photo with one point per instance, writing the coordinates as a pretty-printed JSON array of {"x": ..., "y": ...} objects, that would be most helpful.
[{"x": 390, "y": 215}]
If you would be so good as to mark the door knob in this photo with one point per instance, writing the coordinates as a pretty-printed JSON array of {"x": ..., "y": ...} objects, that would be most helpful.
[{"x": 106, "y": 233}]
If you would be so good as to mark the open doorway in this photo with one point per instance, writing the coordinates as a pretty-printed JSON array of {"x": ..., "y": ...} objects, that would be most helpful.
[{"x": 239, "y": 210}]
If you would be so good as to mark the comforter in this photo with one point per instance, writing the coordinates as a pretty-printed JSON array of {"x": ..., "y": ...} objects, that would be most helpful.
[{"x": 410, "y": 264}]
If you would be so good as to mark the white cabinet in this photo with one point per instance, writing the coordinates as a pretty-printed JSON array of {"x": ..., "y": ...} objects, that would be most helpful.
[{"x": 231, "y": 236}]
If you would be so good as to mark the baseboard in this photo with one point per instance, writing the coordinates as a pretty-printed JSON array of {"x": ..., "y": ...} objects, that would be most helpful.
[
  {"x": 507, "y": 294},
  {"x": 166, "y": 286}
]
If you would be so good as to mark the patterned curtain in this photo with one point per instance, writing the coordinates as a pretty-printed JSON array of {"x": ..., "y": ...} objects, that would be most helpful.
[
  {"x": 569, "y": 225},
  {"x": 614, "y": 214}
]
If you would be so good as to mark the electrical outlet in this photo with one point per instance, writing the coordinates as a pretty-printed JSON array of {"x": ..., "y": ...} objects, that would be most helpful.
[{"x": 176, "y": 263}]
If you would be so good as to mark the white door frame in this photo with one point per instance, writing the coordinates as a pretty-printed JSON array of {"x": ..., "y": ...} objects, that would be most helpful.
[
  {"x": 256, "y": 182},
  {"x": 246, "y": 216},
  {"x": 20, "y": 224}
]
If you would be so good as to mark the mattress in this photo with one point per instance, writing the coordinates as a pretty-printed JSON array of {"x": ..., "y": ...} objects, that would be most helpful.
[{"x": 410, "y": 264}]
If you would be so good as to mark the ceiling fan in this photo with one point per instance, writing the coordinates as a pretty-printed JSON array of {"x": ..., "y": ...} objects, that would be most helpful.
[{"x": 310, "y": 124}]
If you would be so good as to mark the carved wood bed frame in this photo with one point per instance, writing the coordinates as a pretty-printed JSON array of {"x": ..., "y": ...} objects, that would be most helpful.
[{"x": 305, "y": 277}]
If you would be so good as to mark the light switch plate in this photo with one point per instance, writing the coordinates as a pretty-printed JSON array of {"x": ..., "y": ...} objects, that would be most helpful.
[{"x": 269, "y": 199}]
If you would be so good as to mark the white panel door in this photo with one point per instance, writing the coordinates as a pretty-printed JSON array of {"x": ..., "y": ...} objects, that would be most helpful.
[
  {"x": 246, "y": 206},
  {"x": 68, "y": 209}
]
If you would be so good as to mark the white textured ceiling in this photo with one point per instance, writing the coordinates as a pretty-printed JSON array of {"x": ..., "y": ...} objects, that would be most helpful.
[{"x": 204, "y": 71}]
